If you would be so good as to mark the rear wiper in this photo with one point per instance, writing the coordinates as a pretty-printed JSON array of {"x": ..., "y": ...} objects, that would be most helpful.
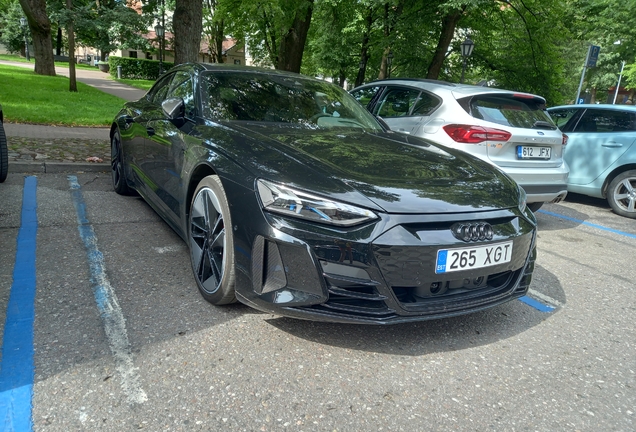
[{"x": 540, "y": 124}]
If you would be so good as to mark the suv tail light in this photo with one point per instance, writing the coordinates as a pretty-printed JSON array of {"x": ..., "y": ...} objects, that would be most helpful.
[
  {"x": 565, "y": 140},
  {"x": 475, "y": 134}
]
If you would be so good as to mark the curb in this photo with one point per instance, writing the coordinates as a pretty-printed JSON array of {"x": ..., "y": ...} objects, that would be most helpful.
[{"x": 56, "y": 167}]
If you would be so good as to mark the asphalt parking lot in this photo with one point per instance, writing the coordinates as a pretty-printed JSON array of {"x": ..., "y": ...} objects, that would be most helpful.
[{"x": 123, "y": 340}]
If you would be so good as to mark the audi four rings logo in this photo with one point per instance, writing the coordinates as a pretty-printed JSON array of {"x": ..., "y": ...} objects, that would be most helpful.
[{"x": 472, "y": 231}]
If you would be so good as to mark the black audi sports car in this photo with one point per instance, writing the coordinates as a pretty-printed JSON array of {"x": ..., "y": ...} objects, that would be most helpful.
[{"x": 295, "y": 200}]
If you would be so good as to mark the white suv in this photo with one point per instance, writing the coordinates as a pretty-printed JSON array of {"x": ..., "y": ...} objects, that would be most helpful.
[{"x": 511, "y": 130}]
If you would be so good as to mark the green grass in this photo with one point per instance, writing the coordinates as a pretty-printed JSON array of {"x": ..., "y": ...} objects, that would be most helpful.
[
  {"x": 17, "y": 58},
  {"x": 30, "y": 98},
  {"x": 140, "y": 84}
]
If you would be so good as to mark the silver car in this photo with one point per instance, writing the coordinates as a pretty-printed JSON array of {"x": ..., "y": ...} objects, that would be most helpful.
[{"x": 509, "y": 129}]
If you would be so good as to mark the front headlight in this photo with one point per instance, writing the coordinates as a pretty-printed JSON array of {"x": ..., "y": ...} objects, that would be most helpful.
[
  {"x": 283, "y": 200},
  {"x": 522, "y": 199}
]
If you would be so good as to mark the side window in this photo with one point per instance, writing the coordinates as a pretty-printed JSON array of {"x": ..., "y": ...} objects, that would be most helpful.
[
  {"x": 365, "y": 95},
  {"x": 397, "y": 102},
  {"x": 425, "y": 105},
  {"x": 158, "y": 93},
  {"x": 600, "y": 120},
  {"x": 182, "y": 87},
  {"x": 562, "y": 116}
]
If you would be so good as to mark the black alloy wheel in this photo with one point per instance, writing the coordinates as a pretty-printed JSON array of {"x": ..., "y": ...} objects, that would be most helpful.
[
  {"x": 621, "y": 194},
  {"x": 4, "y": 155},
  {"x": 212, "y": 242},
  {"x": 117, "y": 166}
]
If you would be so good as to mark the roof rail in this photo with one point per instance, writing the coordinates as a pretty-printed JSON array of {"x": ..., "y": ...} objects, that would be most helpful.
[{"x": 433, "y": 81}]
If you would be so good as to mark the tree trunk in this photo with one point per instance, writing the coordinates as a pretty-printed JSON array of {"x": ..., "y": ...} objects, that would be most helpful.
[
  {"x": 342, "y": 77},
  {"x": 364, "y": 51},
  {"x": 58, "y": 41},
  {"x": 72, "y": 81},
  {"x": 187, "y": 23},
  {"x": 40, "y": 26},
  {"x": 219, "y": 32},
  {"x": 292, "y": 44},
  {"x": 449, "y": 23}
]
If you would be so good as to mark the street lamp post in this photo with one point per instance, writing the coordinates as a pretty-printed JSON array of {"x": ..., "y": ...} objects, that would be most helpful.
[
  {"x": 23, "y": 23},
  {"x": 159, "y": 31},
  {"x": 467, "y": 49},
  {"x": 389, "y": 62}
]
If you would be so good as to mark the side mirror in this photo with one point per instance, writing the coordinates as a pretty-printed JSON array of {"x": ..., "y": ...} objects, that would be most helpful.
[{"x": 173, "y": 108}]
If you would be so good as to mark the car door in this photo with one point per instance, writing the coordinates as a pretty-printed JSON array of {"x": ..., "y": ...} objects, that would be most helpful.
[
  {"x": 394, "y": 107},
  {"x": 148, "y": 108},
  {"x": 596, "y": 141},
  {"x": 404, "y": 109},
  {"x": 166, "y": 144}
]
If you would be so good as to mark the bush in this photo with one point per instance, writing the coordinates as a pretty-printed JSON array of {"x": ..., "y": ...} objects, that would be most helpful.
[{"x": 134, "y": 68}]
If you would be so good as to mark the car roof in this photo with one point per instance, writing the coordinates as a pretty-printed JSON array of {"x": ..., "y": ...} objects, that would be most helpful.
[
  {"x": 459, "y": 90},
  {"x": 226, "y": 67},
  {"x": 631, "y": 108}
]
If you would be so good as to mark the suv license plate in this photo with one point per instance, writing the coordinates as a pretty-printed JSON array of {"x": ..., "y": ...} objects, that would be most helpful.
[
  {"x": 450, "y": 260},
  {"x": 531, "y": 152}
]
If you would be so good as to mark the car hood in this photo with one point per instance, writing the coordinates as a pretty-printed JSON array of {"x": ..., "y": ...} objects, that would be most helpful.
[{"x": 392, "y": 172}]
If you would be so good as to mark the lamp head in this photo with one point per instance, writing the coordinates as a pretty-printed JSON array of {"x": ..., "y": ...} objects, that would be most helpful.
[{"x": 467, "y": 47}]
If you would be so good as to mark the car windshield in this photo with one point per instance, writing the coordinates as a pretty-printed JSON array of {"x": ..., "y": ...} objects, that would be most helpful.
[
  {"x": 511, "y": 111},
  {"x": 258, "y": 97}
]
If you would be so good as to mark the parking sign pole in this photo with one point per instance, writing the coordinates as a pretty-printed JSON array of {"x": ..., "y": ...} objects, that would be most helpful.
[
  {"x": 590, "y": 61},
  {"x": 587, "y": 58}
]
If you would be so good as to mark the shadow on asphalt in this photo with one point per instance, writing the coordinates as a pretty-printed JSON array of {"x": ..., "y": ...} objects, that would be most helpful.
[
  {"x": 599, "y": 203},
  {"x": 428, "y": 337}
]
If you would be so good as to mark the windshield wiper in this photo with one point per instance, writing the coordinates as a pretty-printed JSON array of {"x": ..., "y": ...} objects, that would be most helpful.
[{"x": 540, "y": 124}]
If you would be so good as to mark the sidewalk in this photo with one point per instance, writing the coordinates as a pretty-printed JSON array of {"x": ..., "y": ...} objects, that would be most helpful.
[{"x": 40, "y": 148}]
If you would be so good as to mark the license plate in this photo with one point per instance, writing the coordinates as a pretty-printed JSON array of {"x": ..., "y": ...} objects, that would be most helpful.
[
  {"x": 450, "y": 260},
  {"x": 531, "y": 152}
]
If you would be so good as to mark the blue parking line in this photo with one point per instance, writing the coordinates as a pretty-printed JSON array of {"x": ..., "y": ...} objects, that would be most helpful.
[
  {"x": 536, "y": 304},
  {"x": 601, "y": 227},
  {"x": 16, "y": 369}
]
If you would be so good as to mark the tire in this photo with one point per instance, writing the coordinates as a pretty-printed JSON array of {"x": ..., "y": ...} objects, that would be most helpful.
[
  {"x": 212, "y": 242},
  {"x": 621, "y": 194},
  {"x": 4, "y": 155},
  {"x": 117, "y": 166},
  {"x": 534, "y": 207}
]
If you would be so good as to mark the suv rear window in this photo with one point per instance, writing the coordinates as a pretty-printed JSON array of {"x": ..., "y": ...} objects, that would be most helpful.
[{"x": 509, "y": 111}]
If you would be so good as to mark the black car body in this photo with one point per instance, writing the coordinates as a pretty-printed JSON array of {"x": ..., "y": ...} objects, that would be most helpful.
[{"x": 317, "y": 212}]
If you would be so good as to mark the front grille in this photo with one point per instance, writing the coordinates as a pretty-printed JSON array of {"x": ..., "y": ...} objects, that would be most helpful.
[
  {"x": 403, "y": 285},
  {"x": 409, "y": 271}
]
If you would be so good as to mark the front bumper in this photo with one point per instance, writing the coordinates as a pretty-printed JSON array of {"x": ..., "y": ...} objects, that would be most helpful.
[{"x": 381, "y": 273}]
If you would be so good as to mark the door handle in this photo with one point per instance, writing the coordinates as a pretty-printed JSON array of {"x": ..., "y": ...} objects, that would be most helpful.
[
  {"x": 612, "y": 144},
  {"x": 151, "y": 131}
]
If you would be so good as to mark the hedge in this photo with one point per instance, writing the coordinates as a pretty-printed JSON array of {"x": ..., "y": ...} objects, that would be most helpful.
[{"x": 135, "y": 68}]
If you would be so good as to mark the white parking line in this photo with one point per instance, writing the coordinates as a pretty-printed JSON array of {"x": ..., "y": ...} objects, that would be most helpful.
[
  {"x": 545, "y": 298},
  {"x": 168, "y": 249},
  {"x": 110, "y": 311}
]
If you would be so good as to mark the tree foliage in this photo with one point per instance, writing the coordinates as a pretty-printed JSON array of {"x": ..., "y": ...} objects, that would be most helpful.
[
  {"x": 106, "y": 25},
  {"x": 535, "y": 46},
  {"x": 12, "y": 35}
]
